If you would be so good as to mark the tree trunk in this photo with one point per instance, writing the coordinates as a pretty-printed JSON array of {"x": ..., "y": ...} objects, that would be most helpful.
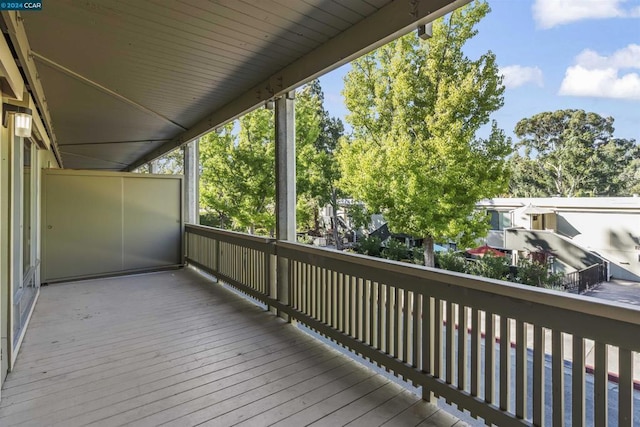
[
  {"x": 334, "y": 208},
  {"x": 429, "y": 258},
  {"x": 316, "y": 220}
]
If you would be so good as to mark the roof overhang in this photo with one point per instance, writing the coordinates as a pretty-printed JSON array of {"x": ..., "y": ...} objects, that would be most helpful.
[
  {"x": 118, "y": 84},
  {"x": 536, "y": 210}
]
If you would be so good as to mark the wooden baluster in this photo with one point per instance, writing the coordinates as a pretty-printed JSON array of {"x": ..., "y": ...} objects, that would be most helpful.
[
  {"x": 601, "y": 374},
  {"x": 450, "y": 346},
  {"x": 437, "y": 338},
  {"x": 625, "y": 388},
  {"x": 577, "y": 382},
  {"x": 521, "y": 369},
  {"x": 538, "y": 375},
  {"x": 407, "y": 303},
  {"x": 416, "y": 330},
  {"x": 379, "y": 315},
  {"x": 463, "y": 348},
  {"x": 505, "y": 362},
  {"x": 476, "y": 337},
  {"x": 427, "y": 341},
  {"x": 388, "y": 292},
  {"x": 557, "y": 377}
]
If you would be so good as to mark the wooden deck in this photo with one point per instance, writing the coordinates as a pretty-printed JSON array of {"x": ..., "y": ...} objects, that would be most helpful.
[{"x": 174, "y": 348}]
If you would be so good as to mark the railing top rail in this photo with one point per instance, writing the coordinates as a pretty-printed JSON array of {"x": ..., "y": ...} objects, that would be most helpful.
[
  {"x": 213, "y": 232},
  {"x": 529, "y": 294},
  {"x": 589, "y": 268}
]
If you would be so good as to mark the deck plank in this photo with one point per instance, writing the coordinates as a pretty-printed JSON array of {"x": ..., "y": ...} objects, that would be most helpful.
[
  {"x": 274, "y": 408},
  {"x": 176, "y": 348},
  {"x": 385, "y": 411}
]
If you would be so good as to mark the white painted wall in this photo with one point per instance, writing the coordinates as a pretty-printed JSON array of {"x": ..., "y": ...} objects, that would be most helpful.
[
  {"x": 615, "y": 236},
  {"x": 520, "y": 219}
]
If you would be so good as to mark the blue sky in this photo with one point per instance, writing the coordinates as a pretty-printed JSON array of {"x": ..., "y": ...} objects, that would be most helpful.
[{"x": 554, "y": 54}]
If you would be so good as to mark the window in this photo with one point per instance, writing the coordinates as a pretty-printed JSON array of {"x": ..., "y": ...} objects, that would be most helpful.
[
  {"x": 26, "y": 208},
  {"x": 499, "y": 220}
]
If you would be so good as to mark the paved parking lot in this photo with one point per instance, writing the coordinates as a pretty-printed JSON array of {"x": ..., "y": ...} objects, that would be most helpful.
[{"x": 617, "y": 290}]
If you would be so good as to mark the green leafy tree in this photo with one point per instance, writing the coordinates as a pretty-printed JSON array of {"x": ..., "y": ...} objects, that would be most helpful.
[
  {"x": 238, "y": 168},
  {"x": 255, "y": 153},
  {"x": 171, "y": 164},
  {"x": 358, "y": 215},
  {"x": 219, "y": 185},
  {"x": 313, "y": 167},
  {"x": 631, "y": 176},
  {"x": 331, "y": 131},
  {"x": 526, "y": 180},
  {"x": 331, "y": 128},
  {"x": 571, "y": 153},
  {"x": 415, "y": 108},
  {"x": 238, "y": 176},
  {"x": 317, "y": 136}
]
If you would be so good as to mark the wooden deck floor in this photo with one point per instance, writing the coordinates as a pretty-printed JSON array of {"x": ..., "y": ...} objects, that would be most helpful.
[{"x": 173, "y": 348}]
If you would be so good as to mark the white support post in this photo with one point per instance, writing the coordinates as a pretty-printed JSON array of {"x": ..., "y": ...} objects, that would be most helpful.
[
  {"x": 191, "y": 183},
  {"x": 285, "y": 187}
]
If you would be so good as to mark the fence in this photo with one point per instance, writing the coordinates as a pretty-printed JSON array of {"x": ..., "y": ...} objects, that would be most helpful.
[
  {"x": 481, "y": 344},
  {"x": 581, "y": 280}
]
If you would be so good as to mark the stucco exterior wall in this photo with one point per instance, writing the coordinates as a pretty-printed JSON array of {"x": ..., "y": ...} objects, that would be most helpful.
[{"x": 615, "y": 236}]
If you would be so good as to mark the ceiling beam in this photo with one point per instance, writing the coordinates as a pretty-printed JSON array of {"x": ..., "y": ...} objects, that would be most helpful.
[
  {"x": 77, "y": 76},
  {"x": 396, "y": 19},
  {"x": 98, "y": 159},
  {"x": 140, "y": 141}
]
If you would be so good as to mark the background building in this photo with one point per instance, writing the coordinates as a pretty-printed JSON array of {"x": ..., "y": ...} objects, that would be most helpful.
[{"x": 576, "y": 230}]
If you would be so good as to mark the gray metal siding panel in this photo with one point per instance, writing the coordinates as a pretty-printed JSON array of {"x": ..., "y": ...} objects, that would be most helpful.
[
  {"x": 152, "y": 218},
  {"x": 82, "y": 229},
  {"x": 97, "y": 223}
]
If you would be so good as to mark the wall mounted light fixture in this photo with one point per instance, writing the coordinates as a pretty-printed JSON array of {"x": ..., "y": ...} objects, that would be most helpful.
[
  {"x": 425, "y": 32},
  {"x": 22, "y": 119}
]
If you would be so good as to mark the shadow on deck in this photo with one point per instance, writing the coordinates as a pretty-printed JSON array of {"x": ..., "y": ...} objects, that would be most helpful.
[{"x": 172, "y": 347}]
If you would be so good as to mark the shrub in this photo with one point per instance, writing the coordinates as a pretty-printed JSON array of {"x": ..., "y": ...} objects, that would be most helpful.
[
  {"x": 416, "y": 255},
  {"x": 395, "y": 250},
  {"x": 369, "y": 246},
  {"x": 490, "y": 266},
  {"x": 452, "y": 261},
  {"x": 528, "y": 272},
  {"x": 535, "y": 274}
]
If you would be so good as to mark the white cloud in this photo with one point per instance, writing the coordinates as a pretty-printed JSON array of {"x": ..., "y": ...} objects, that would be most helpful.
[
  {"x": 603, "y": 76},
  {"x": 551, "y": 13},
  {"x": 607, "y": 83},
  {"x": 517, "y": 75},
  {"x": 628, "y": 57}
]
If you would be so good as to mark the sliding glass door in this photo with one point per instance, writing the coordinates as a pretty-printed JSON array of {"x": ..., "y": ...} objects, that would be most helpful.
[{"x": 25, "y": 258}]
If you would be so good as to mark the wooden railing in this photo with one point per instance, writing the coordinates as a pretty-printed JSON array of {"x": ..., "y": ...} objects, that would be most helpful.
[
  {"x": 582, "y": 280},
  {"x": 483, "y": 345},
  {"x": 242, "y": 260}
]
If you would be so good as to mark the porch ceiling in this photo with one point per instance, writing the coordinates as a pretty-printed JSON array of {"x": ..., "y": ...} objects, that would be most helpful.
[{"x": 125, "y": 82}]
